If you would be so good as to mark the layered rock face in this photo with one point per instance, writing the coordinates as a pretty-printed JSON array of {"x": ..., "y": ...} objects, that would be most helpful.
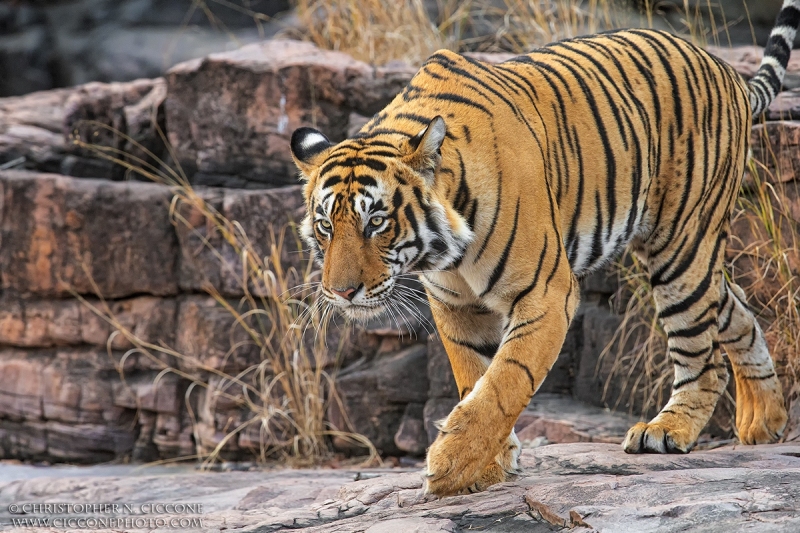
[{"x": 79, "y": 232}]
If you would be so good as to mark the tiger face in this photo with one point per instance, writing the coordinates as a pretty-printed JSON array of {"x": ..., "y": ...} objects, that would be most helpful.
[{"x": 373, "y": 214}]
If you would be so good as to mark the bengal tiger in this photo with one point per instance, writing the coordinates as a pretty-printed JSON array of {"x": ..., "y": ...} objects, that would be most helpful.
[{"x": 502, "y": 185}]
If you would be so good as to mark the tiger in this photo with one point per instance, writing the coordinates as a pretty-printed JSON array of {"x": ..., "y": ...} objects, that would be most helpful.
[{"x": 502, "y": 185}]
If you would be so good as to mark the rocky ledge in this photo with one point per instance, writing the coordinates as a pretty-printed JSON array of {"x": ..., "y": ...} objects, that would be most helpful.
[{"x": 580, "y": 486}]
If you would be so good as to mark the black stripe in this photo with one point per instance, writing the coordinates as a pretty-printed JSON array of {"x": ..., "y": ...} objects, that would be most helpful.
[
  {"x": 696, "y": 295},
  {"x": 501, "y": 265},
  {"x": 525, "y": 323},
  {"x": 527, "y": 372},
  {"x": 530, "y": 287},
  {"x": 692, "y": 379},
  {"x": 693, "y": 331},
  {"x": 764, "y": 376},
  {"x": 458, "y": 99},
  {"x": 486, "y": 349}
]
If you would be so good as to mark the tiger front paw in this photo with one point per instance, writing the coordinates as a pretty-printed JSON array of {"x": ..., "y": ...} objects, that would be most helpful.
[
  {"x": 504, "y": 466},
  {"x": 465, "y": 456}
]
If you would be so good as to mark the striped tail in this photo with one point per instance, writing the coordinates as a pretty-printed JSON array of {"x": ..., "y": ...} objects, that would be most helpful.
[{"x": 766, "y": 84}]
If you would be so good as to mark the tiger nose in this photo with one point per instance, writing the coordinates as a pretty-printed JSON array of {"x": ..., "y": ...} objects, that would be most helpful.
[{"x": 347, "y": 293}]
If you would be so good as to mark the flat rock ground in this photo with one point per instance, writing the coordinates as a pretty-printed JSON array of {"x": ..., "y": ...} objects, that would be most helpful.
[{"x": 584, "y": 486}]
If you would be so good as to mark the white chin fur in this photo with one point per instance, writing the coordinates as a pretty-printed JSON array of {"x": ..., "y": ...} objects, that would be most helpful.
[{"x": 361, "y": 313}]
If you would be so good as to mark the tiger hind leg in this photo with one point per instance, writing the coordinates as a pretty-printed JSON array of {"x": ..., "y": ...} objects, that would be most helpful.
[
  {"x": 686, "y": 289},
  {"x": 760, "y": 412}
]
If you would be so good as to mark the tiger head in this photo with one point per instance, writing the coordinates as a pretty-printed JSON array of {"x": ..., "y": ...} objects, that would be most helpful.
[{"x": 374, "y": 212}]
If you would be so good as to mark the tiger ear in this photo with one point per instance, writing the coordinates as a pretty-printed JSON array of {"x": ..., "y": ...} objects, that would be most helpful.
[
  {"x": 309, "y": 148},
  {"x": 427, "y": 148}
]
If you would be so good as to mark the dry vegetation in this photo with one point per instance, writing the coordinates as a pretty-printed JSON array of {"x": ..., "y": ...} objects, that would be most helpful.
[
  {"x": 289, "y": 391},
  {"x": 377, "y": 32}
]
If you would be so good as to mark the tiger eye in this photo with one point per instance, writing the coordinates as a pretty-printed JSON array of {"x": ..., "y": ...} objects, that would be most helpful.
[
  {"x": 324, "y": 224},
  {"x": 376, "y": 221}
]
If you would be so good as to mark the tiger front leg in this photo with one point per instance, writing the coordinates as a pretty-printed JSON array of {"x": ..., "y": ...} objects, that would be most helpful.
[
  {"x": 476, "y": 439},
  {"x": 471, "y": 335}
]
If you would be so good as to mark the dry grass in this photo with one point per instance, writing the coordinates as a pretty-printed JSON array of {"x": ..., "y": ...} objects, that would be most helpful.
[
  {"x": 638, "y": 366},
  {"x": 519, "y": 26},
  {"x": 288, "y": 393},
  {"x": 378, "y": 32}
]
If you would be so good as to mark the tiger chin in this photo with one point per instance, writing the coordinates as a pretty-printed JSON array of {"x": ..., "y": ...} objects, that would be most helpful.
[{"x": 501, "y": 185}]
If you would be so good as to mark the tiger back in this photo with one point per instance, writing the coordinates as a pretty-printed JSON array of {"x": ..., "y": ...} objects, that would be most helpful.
[{"x": 501, "y": 185}]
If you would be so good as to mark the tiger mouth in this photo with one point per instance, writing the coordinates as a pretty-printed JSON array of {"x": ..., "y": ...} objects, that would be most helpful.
[{"x": 362, "y": 312}]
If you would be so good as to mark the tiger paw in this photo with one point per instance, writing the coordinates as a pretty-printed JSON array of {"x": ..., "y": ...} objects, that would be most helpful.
[
  {"x": 508, "y": 458},
  {"x": 657, "y": 437},
  {"x": 504, "y": 466},
  {"x": 760, "y": 413},
  {"x": 462, "y": 458}
]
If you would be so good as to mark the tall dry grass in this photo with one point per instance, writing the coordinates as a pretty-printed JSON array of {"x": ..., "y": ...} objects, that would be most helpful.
[
  {"x": 408, "y": 30},
  {"x": 378, "y": 32},
  {"x": 287, "y": 394}
]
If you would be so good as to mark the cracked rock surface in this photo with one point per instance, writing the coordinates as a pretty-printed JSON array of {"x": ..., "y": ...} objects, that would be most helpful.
[{"x": 584, "y": 486}]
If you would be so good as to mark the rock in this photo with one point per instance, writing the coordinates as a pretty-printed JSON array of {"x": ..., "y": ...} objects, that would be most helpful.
[
  {"x": 126, "y": 118},
  {"x": 442, "y": 383},
  {"x": 778, "y": 143},
  {"x": 50, "y": 44},
  {"x": 268, "y": 218},
  {"x": 786, "y": 106},
  {"x": 145, "y": 392},
  {"x": 231, "y": 114},
  {"x": 31, "y": 130},
  {"x": 561, "y": 419},
  {"x": 413, "y": 525},
  {"x": 149, "y": 319},
  {"x": 436, "y": 409},
  {"x": 61, "y": 234},
  {"x": 582, "y": 486},
  {"x": 411, "y": 436},
  {"x": 173, "y": 436},
  {"x": 374, "y": 396},
  {"x": 21, "y": 384},
  {"x": 37, "y": 130},
  {"x": 26, "y": 441},
  {"x": 206, "y": 333},
  {"x": 76, "y": 389},
  {"x": 599, "y": 325},
  {"x": 198, "y": 236},
  {"x": 86, "y": 443},
  {"x": 39, "y": 323},
  {"x": 746, "y": 59},
  {"x": 60, "y": 403},
  {"x": 45, "y": 323},
  {"x": 26, "y": 59}
]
